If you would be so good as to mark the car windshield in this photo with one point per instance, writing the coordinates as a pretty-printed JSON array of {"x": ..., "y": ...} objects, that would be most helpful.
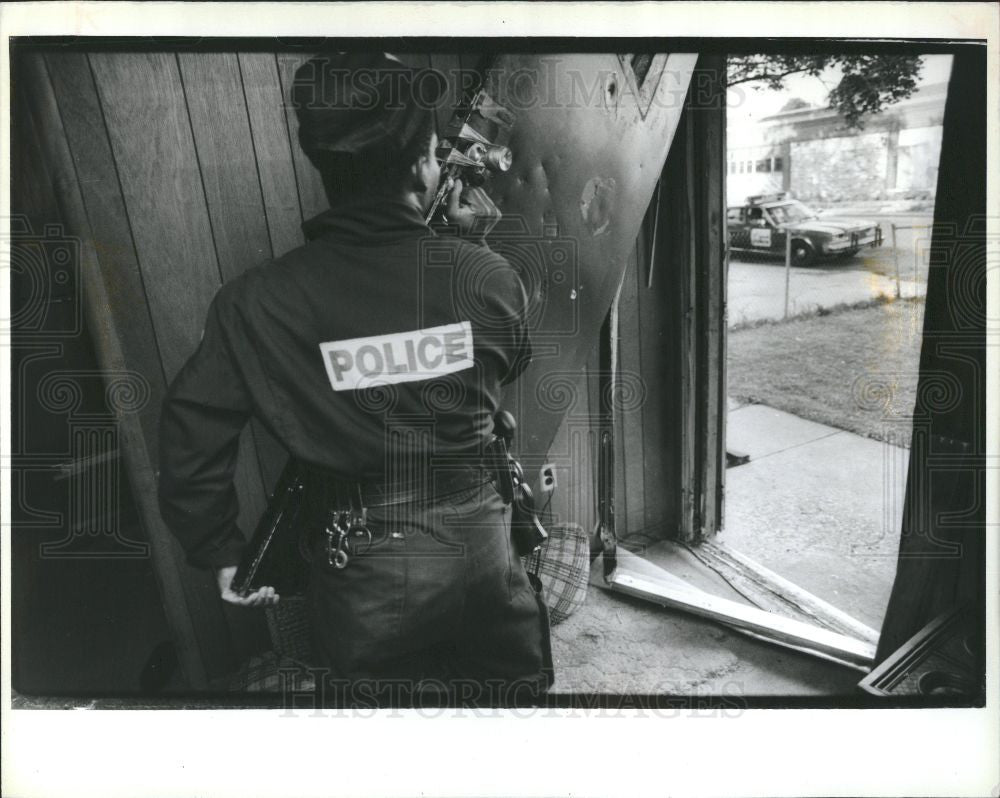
[{"x": 790, "y": 212}]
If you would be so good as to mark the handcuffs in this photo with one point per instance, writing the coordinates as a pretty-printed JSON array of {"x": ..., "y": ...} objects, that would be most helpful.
[{"x": 347, "y": 533}]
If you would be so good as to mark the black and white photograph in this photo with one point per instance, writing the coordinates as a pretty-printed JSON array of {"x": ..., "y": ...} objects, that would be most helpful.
[{"x": 469, "y": 372}]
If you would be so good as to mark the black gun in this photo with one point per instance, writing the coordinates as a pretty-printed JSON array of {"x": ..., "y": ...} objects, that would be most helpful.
[{"x": 276, "y": 555}]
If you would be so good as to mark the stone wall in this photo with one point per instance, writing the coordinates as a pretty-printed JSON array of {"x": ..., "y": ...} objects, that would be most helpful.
[{"x": 841, "y": 168}]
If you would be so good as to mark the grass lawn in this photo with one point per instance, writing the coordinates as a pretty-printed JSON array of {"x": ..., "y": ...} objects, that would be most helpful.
[{"x": 855, "y": 369}]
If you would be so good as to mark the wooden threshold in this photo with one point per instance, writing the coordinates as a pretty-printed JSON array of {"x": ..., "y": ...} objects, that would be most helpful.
[
  {"x": 775, "y": 628},
  {"x": 773, "y": 591}
]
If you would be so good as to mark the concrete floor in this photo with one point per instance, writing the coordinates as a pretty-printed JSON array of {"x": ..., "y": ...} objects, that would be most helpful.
[
  {"x": 819, "y": 506},
  {"x": 619, "y": 645}
]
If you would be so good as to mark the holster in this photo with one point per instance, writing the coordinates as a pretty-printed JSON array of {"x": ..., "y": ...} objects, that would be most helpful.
[{"x": 527, "y": 532}]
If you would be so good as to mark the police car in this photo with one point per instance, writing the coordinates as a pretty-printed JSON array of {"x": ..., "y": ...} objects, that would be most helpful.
[{"x": 762, "y": 224}]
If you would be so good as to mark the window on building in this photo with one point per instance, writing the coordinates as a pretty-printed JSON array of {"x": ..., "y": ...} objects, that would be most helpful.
[
  {"x": 779, "y": 165},
  {"x": 764, "y": 165}
]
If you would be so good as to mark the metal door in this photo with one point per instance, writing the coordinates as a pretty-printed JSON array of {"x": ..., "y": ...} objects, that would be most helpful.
[{"x": 590, "y": 139}]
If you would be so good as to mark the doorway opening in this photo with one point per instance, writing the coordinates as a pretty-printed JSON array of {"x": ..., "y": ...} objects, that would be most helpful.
[{"x": 829, "y": 232}]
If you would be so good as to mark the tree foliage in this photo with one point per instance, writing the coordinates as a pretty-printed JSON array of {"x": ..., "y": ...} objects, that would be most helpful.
[{"x": 868, "y": 83}]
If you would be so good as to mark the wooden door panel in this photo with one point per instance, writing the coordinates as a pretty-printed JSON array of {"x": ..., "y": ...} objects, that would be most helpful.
[
  {"x": 220, "y": 125},
  {"x": 312, "y": 196},
  {"x": 75, "y": 139},
  {"x": 151, "y": 137},
  {"x": 273, "y": 150},
  {"x": 110, "y": 231}
]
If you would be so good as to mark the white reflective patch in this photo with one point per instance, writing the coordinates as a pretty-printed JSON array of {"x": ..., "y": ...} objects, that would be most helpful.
[
  {"x": 760, "y": 237},
  {"x": 398, "y": 357}
]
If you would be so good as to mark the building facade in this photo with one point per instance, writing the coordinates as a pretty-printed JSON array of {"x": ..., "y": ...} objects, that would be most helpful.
[{"x": 811, "y": 153}]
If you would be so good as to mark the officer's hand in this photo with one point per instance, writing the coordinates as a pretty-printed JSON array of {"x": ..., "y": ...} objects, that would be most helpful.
[
  {"x": 261, "y": 597},
  {"x": 474, "y": 212}
]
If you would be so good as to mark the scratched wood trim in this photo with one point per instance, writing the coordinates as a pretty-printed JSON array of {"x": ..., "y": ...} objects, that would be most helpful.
[
  {"x": 656, "y": 350},
  {"x": 719, "y": 252},
  {"x": 592, "y": 383},
  {"x": 777, "y": 629},
  {"x": 583, "y": 459},
  {"x": 617, "y": 420},
  {"x": 683, "y": 224},
  {"x": 705, "y": 205},
  {"x": 710, "y": 151},
  {"x": 630, "y": 419},
  {"x": 775, "y": 593},
  {"x": 75, "y": 141},
  {"x": 704, "y": 394}
]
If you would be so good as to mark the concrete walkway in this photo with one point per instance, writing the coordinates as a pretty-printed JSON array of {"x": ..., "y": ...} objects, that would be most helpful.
[{"x": 818, "y": 505}]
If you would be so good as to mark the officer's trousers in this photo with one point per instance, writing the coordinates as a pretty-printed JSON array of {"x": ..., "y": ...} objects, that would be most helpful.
[{"x": 437, "y": 608}]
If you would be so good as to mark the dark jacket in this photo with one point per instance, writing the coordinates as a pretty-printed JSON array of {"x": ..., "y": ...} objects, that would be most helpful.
[{"x": 446, "y": 327}]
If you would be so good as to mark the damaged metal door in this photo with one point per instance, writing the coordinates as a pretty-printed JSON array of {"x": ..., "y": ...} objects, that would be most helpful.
[{"x": 591, "y": 136}]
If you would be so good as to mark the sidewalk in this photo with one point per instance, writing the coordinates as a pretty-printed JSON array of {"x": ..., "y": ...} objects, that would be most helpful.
[{"x": 820, "y": 506}]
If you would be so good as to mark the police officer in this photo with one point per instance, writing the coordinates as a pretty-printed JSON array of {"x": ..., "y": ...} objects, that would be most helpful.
[{"x": 376, "y": 354}]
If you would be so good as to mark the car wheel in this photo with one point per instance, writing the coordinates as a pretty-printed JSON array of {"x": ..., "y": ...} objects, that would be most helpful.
[{"x": 802, "y": 252}]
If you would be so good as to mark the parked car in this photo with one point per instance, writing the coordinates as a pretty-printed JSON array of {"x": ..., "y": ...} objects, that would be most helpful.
[{"x": 762, "y": 224}]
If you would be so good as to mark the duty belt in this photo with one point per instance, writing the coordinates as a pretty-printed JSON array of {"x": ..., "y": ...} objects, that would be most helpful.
[
  {"x": 346, "y": 503},
  {"x": 372, "y": 493},
  {"x": 310, "y": 498}
]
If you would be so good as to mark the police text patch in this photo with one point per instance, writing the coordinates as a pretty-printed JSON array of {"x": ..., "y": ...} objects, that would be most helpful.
[{"x": 398, "y": 357}]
